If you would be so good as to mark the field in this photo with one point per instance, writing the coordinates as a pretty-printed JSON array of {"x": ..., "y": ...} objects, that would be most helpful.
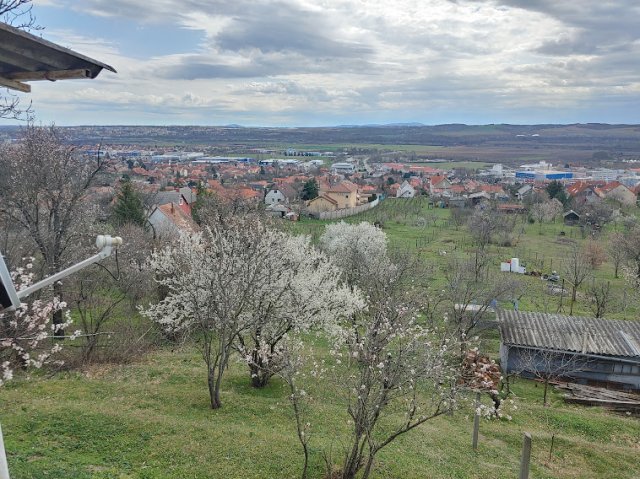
[
  {"x": 151, "y": 419},
  {"x": 410, "y": 224}
]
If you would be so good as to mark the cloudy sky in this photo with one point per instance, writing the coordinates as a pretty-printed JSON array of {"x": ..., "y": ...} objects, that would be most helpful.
[{"x": 330, "y": 62}]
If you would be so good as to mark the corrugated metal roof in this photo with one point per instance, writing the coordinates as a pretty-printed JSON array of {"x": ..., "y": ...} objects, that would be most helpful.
[
  {"x": 570, "y": 333},
  {"x": 26, "y": 57}
]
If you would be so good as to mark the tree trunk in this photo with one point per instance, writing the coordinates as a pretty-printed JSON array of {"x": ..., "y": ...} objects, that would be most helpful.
[
  {"x": 258, "y": 372},
  {"x": 367, "y": 469},
  {"x": 214, "y": 390},
  {"x": 546, "y": 386},
  {"x": 58, "y": 318},
  {"x": 352, "y": 463}
]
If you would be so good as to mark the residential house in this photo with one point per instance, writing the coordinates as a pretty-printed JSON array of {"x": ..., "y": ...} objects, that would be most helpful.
[
  {"x": 439, "y": 185},
  {"x": 345, "y": 194},
  {"x": 182, "y": 197},
  {"x": 584, "y": 192},
  {"x": 614, "y": 190},
  {"x": 406, "y": 190},
  {"x": 169, "y": 220},
  {"x": 281, "y": 193},
  {"x": 322, "y": 203},
  {"x": 275, "y": 196}
]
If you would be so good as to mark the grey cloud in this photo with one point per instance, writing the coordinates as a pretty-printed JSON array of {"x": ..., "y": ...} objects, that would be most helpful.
[
  {"x": 568, "y": 46},
  {"x": 206, "y": 66},
  {"x": 281, "y": 27},
  {"x": 599, "y": 26},
  {"x": 277, "y": 26}
]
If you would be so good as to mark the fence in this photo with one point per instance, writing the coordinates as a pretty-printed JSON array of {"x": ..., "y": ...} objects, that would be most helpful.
[{"x": 334, "y": 215}]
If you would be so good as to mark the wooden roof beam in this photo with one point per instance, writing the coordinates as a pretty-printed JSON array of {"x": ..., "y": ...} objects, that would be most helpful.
[
  {"x": 50, "y": 75},
  {"x": 15, "y": 85}
]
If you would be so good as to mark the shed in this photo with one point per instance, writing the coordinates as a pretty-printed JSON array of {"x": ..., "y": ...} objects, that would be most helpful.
[
  {"x": 610, "y": 348},
  {"x": 25, "y": 57},
  {"x": 571, "y": 218}
]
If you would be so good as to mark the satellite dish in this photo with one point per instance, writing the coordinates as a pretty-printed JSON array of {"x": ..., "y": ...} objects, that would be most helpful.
[{"x": 8, "y": 296}]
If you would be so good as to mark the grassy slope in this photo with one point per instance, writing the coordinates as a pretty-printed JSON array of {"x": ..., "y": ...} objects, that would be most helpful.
[{"x": 151, "y": 419}]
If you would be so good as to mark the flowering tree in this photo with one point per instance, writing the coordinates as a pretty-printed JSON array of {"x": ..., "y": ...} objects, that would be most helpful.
[
  {"x": 299, "y": 290},
  {"x": 397, "y": 372},
  {"x": 210, "y": 280},
  {"x": 392, "y": 368},
  {"x": 469, "y": 295},
  {"x": 547, "y": 211},
  {"x": 360, "y": 250},
  {"x": 25, "y": 331},
  {"x": 242, "y": 286}
]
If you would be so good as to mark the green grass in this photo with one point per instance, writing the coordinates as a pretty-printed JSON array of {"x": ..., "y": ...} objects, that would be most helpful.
[{"x": 151, "y": 420}]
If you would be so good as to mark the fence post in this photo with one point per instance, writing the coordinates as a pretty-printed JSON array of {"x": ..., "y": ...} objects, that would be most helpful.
[
  {"x": 526, "y": 456},
  {"x": 476, "y": 423}
]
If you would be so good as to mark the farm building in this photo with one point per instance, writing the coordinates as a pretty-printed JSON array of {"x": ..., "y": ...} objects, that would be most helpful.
[
  {"x": 571, "y": 218},
  {"x": 608, "y": 349}
]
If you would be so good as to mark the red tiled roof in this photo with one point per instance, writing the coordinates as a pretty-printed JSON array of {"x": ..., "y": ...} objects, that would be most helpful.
[
  {"x": 324, "y": 197},
  {"x": 425, "y": 169},
  {"x": 612, "y": 185},
  {"x": 437, "y": 179},
  {"x": 179, "y": 218},
  {"x": 343, "y": 187}
]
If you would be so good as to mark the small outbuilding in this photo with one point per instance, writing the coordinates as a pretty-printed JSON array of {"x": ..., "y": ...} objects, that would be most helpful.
[
  {"x": 571, "y": 218},
  {"x": 609, "y": 350}
]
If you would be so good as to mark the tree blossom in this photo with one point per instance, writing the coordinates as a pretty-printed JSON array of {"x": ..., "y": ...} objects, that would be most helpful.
[
  {"x": 360, "y": 250},
  {"x": 25, "y": 331},
  {"x": 299, "y": 290},
  {"x": 242, "y": 286}
]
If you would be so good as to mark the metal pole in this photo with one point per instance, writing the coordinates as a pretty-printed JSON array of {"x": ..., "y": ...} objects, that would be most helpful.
[
  {"x": 107, "y": 243},
  {"x": 4, "y": 468},
  {"x": 526, "y": 457}
]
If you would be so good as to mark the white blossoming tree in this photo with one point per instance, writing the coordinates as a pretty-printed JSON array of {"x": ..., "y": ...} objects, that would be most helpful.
[
  {"x": 360, "y": 250},
  {"x": 242, "y": 286},
  {"x": 396, "y": 368},
  {"x": 398, "y": 374},
  {"x": 26, "y": 333},
  {"x": 299, "y": 290}
]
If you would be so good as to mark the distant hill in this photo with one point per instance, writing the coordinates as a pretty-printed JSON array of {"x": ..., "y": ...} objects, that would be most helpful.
[{"x": 496, "y": 142}]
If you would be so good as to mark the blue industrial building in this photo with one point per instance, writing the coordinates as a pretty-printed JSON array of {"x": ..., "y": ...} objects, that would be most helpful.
[{"x": 544, "y": 175}]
